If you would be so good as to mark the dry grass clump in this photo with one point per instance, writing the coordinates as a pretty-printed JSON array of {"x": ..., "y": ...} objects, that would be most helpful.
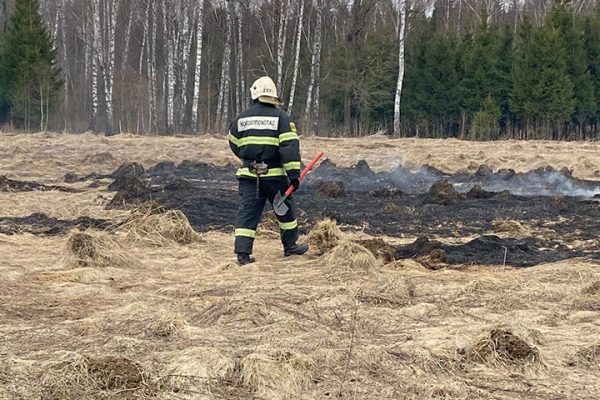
[
  {"x": 276, "y": 374},
  {"x": 83, "y": 377},
  {"x": 592, "y": 289},
  {"x": 509, "y": 227},
  {"x": 502, "y": 347},
  {"x": 156, "y": 226},
  {"x": 324, "y": 236},
  {"x": 588, "y": 356},
  {"x": 351, "y": 256},
  {"x": 168, "y": 326},
  {"x": 435, "y": 260},
  {"x": 97, "y": 250},
  {"x": 379, "y": 248}
]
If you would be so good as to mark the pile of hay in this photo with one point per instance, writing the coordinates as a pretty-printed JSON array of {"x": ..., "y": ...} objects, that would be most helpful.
[
  {"x": 509, "y": 227},
  {"x": 156, "y": 226},
  {"x": 324, "y": 236},
  {"x": 502, "y": 346},
  {"x": 276, "y": 374},
  {"x": 168, "y": 326},
  {"x": 97, "y": 250},
  {"x": 592, "y": 289},
  {"x": 588, "y": 356},
  {"x": 351, "y": 256},
  {"x": 79, "y": 376}
]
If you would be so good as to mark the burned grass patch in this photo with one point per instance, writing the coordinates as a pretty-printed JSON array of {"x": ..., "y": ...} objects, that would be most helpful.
[
  {"x": 12, "y": 185},
  {"x": 403, "y": 202},
  {"x": 42, "y": 224}
]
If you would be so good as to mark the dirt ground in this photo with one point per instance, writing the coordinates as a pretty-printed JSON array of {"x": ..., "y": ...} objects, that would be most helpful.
[{"x": 146, "y": 310}]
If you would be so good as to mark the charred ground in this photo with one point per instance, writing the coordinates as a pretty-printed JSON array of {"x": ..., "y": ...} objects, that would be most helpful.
[{"x": 467, "y": 210}]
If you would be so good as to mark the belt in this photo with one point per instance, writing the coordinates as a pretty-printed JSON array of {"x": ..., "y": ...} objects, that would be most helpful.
[{"x": 270, "y": 165}]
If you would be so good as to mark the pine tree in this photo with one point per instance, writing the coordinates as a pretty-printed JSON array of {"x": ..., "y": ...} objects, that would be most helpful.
[
  {"x": 563, "y": 19},
  {"x": 543, "y": 92},
  {"x": 439, "y": 84},
  {"x": 592, "y": 47},
  {"x": 29, "y": 77}
]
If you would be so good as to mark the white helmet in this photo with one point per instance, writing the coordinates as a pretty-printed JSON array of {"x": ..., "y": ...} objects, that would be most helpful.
[{"x": 264, "y": 90}]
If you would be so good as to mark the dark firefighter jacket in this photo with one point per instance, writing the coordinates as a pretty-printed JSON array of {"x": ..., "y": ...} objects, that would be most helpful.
[{"x": 264, "y": 133}]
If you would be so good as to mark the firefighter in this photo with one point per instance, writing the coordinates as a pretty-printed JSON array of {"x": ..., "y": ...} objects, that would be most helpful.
[{"x": 266, "y": 140}]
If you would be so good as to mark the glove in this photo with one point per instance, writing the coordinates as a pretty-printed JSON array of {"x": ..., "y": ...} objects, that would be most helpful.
[{"x": 295, "y": 183}]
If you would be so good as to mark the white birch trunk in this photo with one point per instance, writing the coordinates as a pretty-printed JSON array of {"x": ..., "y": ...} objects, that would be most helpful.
[
  {"x": 96, "y": 61},
  {"x": 281, "y": 40},
  {"x": 316, "y": 59},
  {"x": 199, "y": 33},
  {"x": 65, "y": 60},
  {"x": 401, "y": 35},
  {"x": 153, "y": 114},
  {"x": 184, "y": 62},
  {"x": 297, "y": 57},
  {"x": 111, "y": 8},
  {"x": 223, "y": 101},
  {"x": 241, "y": 86},
  {"x": 170, "y": 69}
]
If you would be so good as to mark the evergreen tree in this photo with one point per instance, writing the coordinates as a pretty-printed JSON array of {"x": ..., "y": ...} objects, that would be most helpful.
[
  {"x": 592, "y": 47},
  {"x": 29, "y": 78},
  {"x": 563, "y": 19},
  {"x": 543, "y": 92},
  {"x": 438, "y": 84}
]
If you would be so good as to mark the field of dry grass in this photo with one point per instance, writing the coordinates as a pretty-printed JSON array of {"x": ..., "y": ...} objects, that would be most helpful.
[{"x": 134, "y": 314}]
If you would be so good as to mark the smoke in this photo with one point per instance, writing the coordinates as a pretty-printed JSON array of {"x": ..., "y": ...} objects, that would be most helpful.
[
  {"x": 417, "y": 180},
  {"x": 533, "y": 183}
]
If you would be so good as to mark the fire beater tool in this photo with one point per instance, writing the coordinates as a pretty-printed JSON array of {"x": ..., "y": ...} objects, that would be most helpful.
[{"x": 279, "y": 205}]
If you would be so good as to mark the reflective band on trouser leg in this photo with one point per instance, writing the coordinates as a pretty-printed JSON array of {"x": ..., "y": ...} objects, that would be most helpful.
[
  {"x": 273, "y": 172},
  {"x": 293, "y": 165},
  {"x": 288, "y": 226},
  {"x": 284, "y": 137},
  {"x": 250, "y": 233}
]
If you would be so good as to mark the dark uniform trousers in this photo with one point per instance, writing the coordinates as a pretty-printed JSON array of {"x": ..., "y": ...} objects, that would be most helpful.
[{"x": 251, "y": 208}]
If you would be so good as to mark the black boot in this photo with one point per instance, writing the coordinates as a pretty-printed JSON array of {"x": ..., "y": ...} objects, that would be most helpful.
[
  {"x": 244, "y": 259},
  {"x": 295, "y": 250}
]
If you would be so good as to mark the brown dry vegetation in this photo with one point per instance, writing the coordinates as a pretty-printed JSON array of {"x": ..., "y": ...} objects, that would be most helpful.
[{"x": 157, "y": 318}]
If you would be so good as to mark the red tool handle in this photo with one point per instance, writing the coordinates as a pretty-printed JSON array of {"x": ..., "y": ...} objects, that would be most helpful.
[{"x": 310, "y": 166}]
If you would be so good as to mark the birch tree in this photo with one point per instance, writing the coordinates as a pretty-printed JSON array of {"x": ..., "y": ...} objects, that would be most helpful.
[
  {"x": 315, "y": 65},
  {"x": 65, "y": 60},
  {"x": 240, "y": 87},
  {"x": 398, "y": 96},
  {"x": 296, "y": 57},
  {"x": 96, "y": 58},
  {"x": 169, "y": 52},
  {"x": 198, "y": 69},
  {"x": 223, "y": 100},
  {"x": 281, "y": 40},
  {"x": 110, "y": 17},
  {"x": 151, "y": 68}
]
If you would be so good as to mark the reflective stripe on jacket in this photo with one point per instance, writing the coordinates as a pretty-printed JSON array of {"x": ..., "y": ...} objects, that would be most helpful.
[{"x": 264, "y": 133}]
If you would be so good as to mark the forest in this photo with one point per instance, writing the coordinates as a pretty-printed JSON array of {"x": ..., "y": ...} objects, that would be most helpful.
[{"x": 472, "y": 69}]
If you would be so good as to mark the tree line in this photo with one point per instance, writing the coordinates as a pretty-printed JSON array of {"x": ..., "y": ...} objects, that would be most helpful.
[{"x": 477, "y": 69}]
